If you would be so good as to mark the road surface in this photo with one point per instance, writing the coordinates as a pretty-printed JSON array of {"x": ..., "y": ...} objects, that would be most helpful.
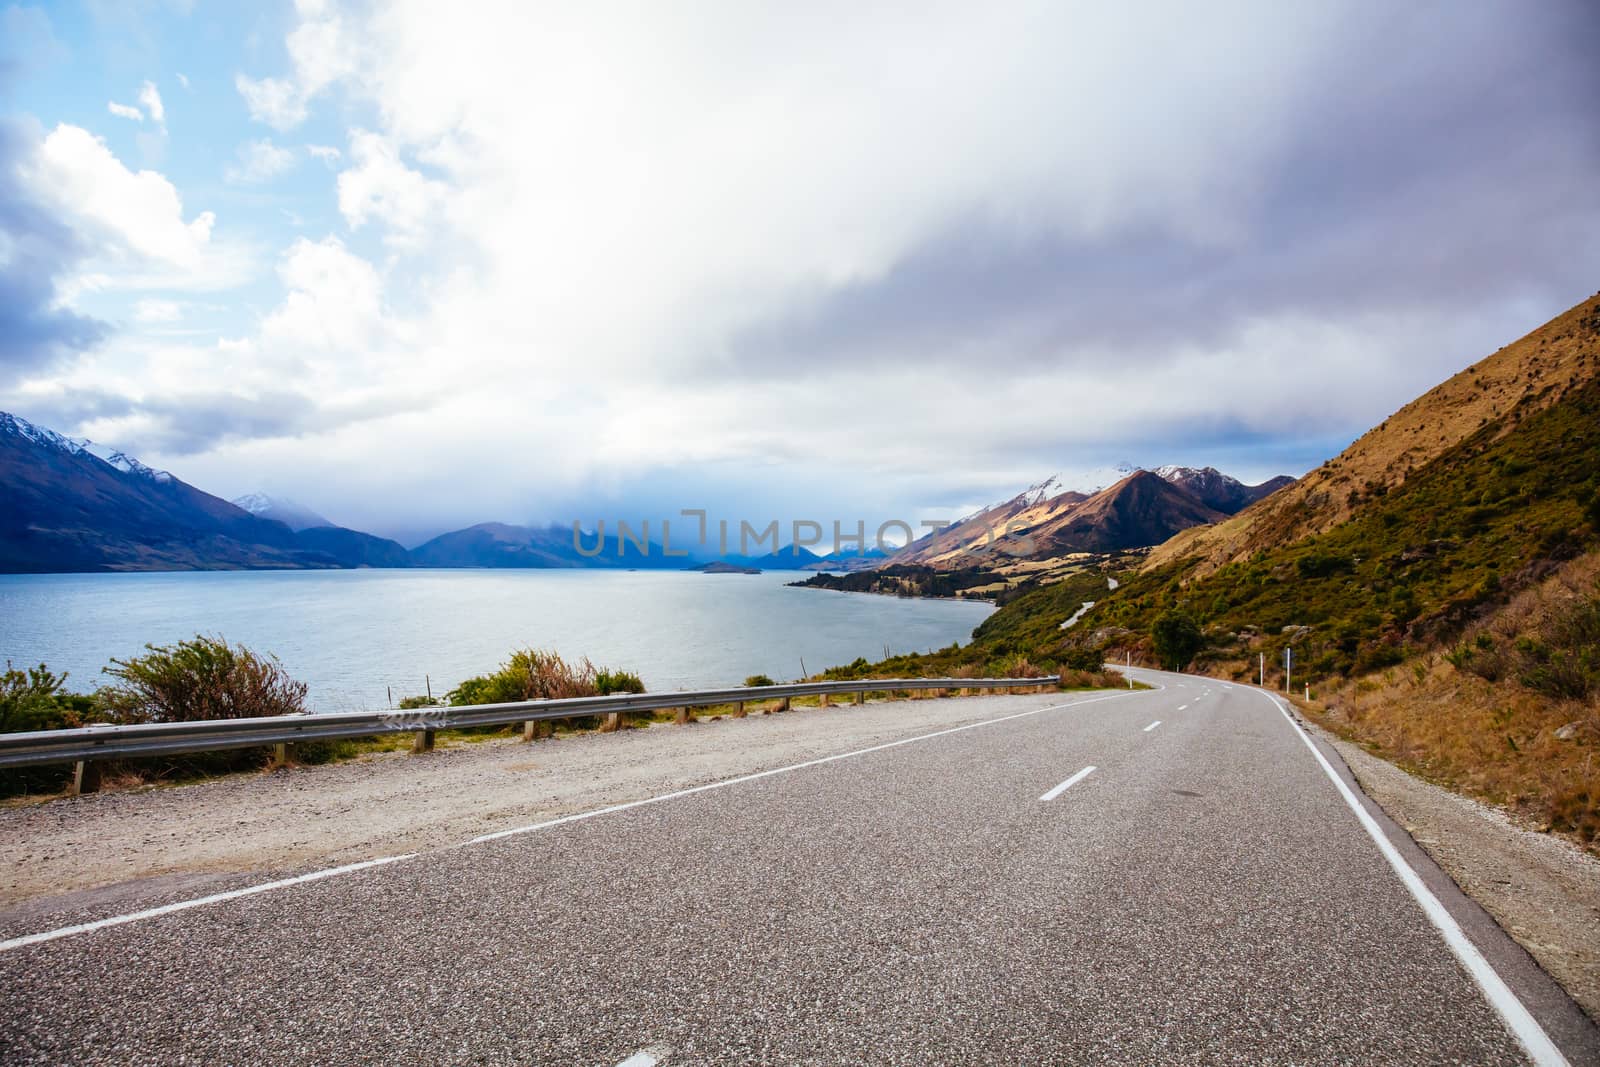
[{"x": 1165, "y": 876}]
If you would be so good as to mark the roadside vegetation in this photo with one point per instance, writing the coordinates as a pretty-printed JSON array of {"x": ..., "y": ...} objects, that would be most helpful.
[{"x": 206, "y": 678}]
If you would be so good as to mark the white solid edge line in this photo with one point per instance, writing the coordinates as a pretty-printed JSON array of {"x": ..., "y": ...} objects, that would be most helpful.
[
  {"x": 234, "y": 894},
  {"x": 1523, "y": 1026},
  {"x": 644, "y": 1058},
  {"x": 1152, "y": 726},
  {"x": 184, "y": 905},
  {"x": 781, "y": 770},
  {"x": 1068, "y": 784}
]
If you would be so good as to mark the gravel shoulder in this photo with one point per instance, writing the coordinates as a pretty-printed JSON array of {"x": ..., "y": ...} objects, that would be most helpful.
[
  {"x": 387, "y": 803},
  {"x": 1542, "y": 890}
]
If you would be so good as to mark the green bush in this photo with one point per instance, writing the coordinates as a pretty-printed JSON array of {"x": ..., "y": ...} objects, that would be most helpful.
[
  {"x": 1081, "y": 659},
  {"x": 758, "y": 679},
  {"x": 413, "y": 703},
  {"x": 1176, "y": 638},
  {"x": 608, "y": 681},
  {"x": 33, "y": 699},
  {"x": 203, "y": 678},
  {"x": 538, "y": 674}
]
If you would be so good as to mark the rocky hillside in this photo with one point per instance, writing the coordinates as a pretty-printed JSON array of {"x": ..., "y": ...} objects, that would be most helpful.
[{"x": 1142, "y": 508}]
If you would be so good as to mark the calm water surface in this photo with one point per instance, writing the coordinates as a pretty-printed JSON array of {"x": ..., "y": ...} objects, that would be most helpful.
[{"x": 350, "y": 634}]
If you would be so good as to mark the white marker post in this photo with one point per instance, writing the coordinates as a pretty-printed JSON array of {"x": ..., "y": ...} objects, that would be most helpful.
[
  {"x": 1288, "y": 670},
  {"x": 1263, "y": 682}
]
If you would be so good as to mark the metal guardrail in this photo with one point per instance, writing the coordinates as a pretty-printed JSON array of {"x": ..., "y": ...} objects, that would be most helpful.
[{"x": 97, "y": 743}]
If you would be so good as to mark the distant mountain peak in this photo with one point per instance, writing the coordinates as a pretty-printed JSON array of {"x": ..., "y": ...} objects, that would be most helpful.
[{"x": 292, "y": 514}]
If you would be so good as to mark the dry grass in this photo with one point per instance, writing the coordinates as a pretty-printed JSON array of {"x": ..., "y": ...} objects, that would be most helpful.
[
  {"x": 1530, "y": 374},
  {"x": 1493, "y": 740}
]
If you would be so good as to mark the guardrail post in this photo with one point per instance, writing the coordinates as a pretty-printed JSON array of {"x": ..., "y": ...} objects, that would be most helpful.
[
  {"x": 823, "y": 700},
  {"x": 781, "y": 705},
  {"x": 682, "y": 716},
  {"x": 859, "y": 698},
  {"x": 738, "y": 709},
  {"x": 280, "y": 754},
  {"x": 537, "y": 729},
  {"x": 422, "y": 741},
  {"x": 85, "y": 777},
  {"x": 612, "y": 724}
]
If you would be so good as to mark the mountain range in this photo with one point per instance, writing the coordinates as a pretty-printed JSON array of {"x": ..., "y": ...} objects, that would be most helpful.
[
  {"x": 1046, "y": 521},
  {"x": 68, "y": 504}
]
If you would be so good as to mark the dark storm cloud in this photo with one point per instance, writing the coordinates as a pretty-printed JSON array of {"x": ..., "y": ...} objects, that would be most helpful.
[
  {"x": 36, "y": 253},
  {"x": 1435, "y": 160}
]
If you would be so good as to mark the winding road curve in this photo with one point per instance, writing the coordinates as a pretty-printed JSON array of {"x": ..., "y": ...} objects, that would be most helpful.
[{"x": 1170, "y": 876}]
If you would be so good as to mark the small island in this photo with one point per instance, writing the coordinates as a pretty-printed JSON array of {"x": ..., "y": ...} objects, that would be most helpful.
[{"x": 723, "y": 567}]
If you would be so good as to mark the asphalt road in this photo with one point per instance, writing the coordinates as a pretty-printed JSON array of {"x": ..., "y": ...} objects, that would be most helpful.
[{"x": 1206, "y": 894}]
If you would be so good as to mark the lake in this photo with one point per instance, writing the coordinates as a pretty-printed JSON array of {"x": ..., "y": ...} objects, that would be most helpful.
[{"x": 350, "y": 634}]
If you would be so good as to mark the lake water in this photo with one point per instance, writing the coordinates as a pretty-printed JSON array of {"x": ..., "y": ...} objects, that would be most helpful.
[{"x": 350, "y": 634}]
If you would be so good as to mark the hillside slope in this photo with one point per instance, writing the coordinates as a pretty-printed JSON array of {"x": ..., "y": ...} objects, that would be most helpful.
[
  {"x": 63, "y": 507},
  {"x": 1521, "y": 379}
]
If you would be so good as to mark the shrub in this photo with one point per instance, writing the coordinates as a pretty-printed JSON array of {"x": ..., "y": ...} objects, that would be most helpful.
[
  {"x": 609, "y": 681},
  {"x": 203, "y": 678},
  {"x": 1081, "y": 659},
  {"x": 538, "y": 674},
  {"x": 412, "y": 703},
  {"x": 1176, "y": 638},
  {"x": 759, "y": 679},
  {"x": 32, "y": 699}
]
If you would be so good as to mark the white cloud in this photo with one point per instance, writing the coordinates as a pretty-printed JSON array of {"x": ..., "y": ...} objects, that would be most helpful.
[
  {"x": 587, "y": 215},
  {"x": 123, "y": 111},
  {"x": 380, "y": 187},
  {"x": 272, "y": 100},
  {"x": 134, "y": 215},
  {"x": 183, "y": 80},
  {"x": 320, "y": 53},
  {"x": 334, "y": 300},
  {"x": 157, "y": 311},
  {"x": 150, "y": 97},
  {"x": 260, "y": 161}
]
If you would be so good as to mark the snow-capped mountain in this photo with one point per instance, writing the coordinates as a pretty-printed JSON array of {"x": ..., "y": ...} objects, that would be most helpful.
[
  {"x": 77, "y": 446},
  {"x": 1218, "y": 490},
  {"x": 69, "y": 505},
  {"x": 291, "y": 513}
]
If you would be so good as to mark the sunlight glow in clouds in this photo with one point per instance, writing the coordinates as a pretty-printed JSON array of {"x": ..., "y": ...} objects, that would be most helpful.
[{"x": 574, "y": 256}]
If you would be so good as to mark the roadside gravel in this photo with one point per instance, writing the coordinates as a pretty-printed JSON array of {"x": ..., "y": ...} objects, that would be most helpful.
[
  {"x": 386, "y": 803},
  {"x": 1542, "y": 890}
]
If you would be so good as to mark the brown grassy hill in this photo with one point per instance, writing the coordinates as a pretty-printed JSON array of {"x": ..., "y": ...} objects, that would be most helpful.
[{"x": 1526, "y": 376}]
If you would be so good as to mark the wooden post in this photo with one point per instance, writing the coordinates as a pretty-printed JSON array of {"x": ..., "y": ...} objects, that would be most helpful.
[
  {"x": 859, "y": 698},
  {"x": 683, "y": 718},
  {"x": 537, "y": 729},
  {"x": 738, "y": 710},
  {"x": 422, "y": 741},
  {"x": 280, "y": 754},
  {"x": 612, "y": 723},
  {"x": 823, "y": 700},
  {"x": 963, "y": 692},
  {"x": 85, "y": 777}
]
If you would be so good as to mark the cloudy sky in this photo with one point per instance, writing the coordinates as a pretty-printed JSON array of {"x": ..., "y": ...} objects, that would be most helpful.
[{"x": 420, "y": 265}]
